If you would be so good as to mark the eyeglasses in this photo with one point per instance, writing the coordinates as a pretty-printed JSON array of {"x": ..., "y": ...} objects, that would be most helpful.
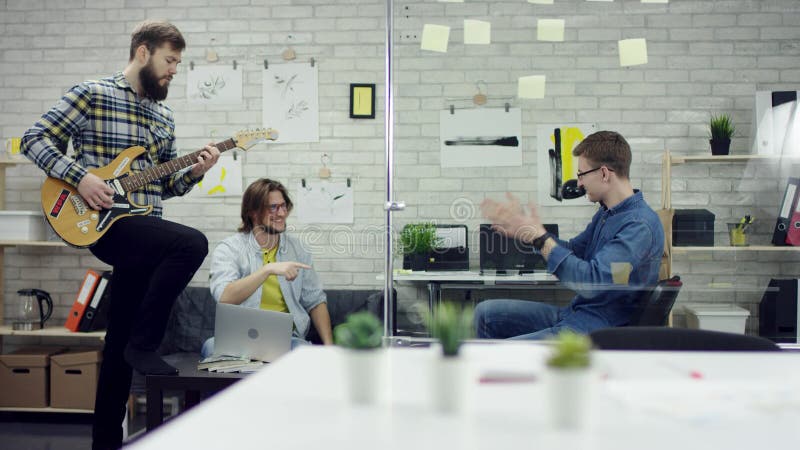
[
  {"x": 275, "y": 207},
  {"x": 581, "y": 174}
]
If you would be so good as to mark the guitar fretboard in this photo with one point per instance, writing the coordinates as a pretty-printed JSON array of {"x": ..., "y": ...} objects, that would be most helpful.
[{"x": 139, "y": 179}]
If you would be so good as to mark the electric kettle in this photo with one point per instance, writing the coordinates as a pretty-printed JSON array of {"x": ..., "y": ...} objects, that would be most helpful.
[{"x": 30, "y": 313}]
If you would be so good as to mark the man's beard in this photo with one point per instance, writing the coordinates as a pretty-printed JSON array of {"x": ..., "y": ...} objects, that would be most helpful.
[
  {"x": 270, "y": 230},
  {"x": 150, "y": 84}
]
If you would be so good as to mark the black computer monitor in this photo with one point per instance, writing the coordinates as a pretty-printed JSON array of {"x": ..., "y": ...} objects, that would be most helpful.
[{"x": 501, "y": 254}]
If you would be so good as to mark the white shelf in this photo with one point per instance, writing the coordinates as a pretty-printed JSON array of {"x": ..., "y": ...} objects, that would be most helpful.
[
  {"x": 4, "y": 243},
  {"x": 749, "y": 248},
  {"x": 6, "y": 160},
  {"x": 46, "y": 410},
  {"x": 680, "y": 159},
  {"x": 51, "y": 332}
]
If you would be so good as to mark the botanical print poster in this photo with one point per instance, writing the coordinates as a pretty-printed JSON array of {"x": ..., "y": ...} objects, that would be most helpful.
[
  {"x": 554, "y": 160},
  {"x": 480, "y": 137},
  {"x": 214, "y": 85},
  {"x": 323, "y": 201},
  {"x": 291, "y": 101}
]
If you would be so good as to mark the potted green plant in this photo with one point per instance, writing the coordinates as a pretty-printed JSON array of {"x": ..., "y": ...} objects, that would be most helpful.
[
  {"x": 569, "y": 380},
  {"x": 721, "y": 129},
  {"x": 417, "y": 242},
  {"x": 451, "y": 324},
  {"x": 362, "y": 337}
]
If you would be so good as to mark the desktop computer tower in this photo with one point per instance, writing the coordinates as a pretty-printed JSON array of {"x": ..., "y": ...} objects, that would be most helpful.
[{"x": 778, "y": 314}]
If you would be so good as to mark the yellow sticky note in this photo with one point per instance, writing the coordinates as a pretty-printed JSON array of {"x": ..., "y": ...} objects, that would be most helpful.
[
  {"x": 550, "y": 30},
  {"x": 632, "y": 52},
  {"x": 477, "y": 32},
  {"x": 531, "y": 86},
  {"x": 655, "y": 1},
  {"x": 621, "y": 272},
  {"x": 435, "y": 37},
  {"x": 541, "y": 2}
]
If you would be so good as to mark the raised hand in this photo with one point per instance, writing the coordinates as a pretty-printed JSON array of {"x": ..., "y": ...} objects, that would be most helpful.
[{"x": 510, "y": 218}]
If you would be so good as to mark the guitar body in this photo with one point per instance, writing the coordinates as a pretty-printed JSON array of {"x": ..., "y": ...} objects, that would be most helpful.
[
  {"x": 81, "y": 226},
  {"x": 74, "y": 220}
]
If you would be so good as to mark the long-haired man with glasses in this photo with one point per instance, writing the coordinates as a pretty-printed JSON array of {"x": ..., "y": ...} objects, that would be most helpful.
[
  {"x": 262, "y": 267},
  {"x": 606, "y": 265}
]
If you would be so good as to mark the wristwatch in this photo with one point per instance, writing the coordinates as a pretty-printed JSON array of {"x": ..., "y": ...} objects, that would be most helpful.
[{"x": 538, "y": 243}]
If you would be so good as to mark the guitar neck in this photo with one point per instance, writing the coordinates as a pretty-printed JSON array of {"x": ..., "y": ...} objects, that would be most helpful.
[{"x": 140, "y": 179}]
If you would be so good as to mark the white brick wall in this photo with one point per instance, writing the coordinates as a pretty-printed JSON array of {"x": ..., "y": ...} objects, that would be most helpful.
[{"x": 705, "y": 56}]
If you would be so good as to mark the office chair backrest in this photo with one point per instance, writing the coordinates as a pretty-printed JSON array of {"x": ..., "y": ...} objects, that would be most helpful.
[
  {"x": 657, "y": 303},
  {"x": 671, "y": 339}
]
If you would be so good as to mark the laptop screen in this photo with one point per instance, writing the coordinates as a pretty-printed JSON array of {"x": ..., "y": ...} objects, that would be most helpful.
[{"x": 500, "y": 253}]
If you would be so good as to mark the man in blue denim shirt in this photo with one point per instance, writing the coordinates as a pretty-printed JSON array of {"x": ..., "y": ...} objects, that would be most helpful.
[{"x": 615, "y": 256}]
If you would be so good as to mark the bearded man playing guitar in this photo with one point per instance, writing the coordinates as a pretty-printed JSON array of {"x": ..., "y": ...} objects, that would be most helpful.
[{"x": 153, "y": 259}]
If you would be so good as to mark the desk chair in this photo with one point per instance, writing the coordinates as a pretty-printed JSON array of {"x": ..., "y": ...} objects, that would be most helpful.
[
  {"x": 656, "y": 303},
  {"x": 662, "y": 338}
]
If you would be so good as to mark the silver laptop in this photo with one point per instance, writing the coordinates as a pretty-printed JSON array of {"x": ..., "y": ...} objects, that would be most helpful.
[{"x": 252, "y": 332}]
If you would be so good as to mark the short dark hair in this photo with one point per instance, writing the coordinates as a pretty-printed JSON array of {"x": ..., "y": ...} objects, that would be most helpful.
[
  {"x": 255, "y": 201},
  {"x": 153, "y": 34},
  {"x": 607, "y": 148}
]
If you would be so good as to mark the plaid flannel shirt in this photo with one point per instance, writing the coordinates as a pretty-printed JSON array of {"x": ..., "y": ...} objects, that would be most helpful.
[{"x": 103, "y": 118}]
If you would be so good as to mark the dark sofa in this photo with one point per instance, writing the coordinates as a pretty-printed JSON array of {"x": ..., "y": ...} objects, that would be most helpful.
[{"x": 192, "y": 318}]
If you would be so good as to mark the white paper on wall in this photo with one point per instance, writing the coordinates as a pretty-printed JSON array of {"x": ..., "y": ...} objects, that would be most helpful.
[
  {"x": 291, "y": 101},
  {"x": 220, "y": 85},
  {"x": 480, "y": 137},
  {"x": 224, "y": 179},
  {"x": 324, "y": 201}
]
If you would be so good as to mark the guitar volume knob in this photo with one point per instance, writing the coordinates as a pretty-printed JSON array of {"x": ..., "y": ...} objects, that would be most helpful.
[{"x": 84, "y": 230}]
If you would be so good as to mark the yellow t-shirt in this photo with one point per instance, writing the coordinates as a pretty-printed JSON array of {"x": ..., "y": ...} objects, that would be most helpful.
[{"x": 271, "y": 295}]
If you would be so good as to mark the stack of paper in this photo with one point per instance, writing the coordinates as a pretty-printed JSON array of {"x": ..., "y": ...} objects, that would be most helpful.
[{"x": 229, "y": 364}]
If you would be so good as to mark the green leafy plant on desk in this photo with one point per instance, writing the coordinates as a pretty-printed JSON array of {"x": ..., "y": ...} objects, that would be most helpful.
[
  {"x": 417, "y": 241},
  {"x": 451, "y": 324},
  {"x": 362, "y": 337},
  {"x": 721, "y": 131},
  {"x": 568, "y": 381},
  {"x": 570, "y": 351},
  {"x": 361, "y": 331}
]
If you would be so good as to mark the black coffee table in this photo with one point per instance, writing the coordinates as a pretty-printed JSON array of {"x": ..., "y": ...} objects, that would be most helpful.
[{"x": 189, "y": 380}]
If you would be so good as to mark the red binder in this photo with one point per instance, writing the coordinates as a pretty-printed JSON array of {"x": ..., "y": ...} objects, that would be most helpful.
[
  {"x": 793, "y": 230},
  {"x": 82, "y": 300}
]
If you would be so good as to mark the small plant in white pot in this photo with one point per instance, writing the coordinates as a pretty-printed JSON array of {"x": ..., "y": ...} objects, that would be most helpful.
[
  {"x": 569, "y": 380},
  {"x": 362, "y": 337},
  {"x": 451, "y": 324}
]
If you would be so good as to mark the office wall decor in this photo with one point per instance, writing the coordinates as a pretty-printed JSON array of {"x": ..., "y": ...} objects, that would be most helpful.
[
  {"x": 362, "y": 101},
  {"x": 291, "y": 101},
  {"x": 554, "y": 161},
  {"x": 480, "y": 137},
  {"x": 218, "y": 85}
]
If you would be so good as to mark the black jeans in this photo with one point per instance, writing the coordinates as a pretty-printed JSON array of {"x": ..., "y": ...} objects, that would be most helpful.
[{"x": 153, "y": 261}]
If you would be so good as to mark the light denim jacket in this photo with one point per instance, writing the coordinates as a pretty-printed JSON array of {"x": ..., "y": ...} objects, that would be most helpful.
[
  {"x": 629, "y": 232},
  {"x": 239, "y": 255}
]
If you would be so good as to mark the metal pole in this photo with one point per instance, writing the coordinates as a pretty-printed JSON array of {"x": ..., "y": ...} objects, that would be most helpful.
[{"x": 390, "y": 206}]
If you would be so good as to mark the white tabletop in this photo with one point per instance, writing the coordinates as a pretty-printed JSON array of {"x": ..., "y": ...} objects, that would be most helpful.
[{"x": 654, "y": 400}]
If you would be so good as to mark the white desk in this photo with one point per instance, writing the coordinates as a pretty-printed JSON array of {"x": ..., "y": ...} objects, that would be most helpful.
[
  {"x": 437, "y": 281},
  {"x": 643, "y": 400}
]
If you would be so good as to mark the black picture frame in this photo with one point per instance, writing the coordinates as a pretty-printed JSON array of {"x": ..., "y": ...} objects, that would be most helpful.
[{"x": 362, "y": 101}]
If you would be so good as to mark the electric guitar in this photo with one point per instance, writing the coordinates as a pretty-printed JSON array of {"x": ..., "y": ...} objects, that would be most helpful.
[{"x": 81, "y": 226}]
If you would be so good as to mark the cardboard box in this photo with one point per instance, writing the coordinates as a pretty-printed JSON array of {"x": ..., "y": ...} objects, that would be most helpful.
[
  {"x": 73, "y": 378},
  {"x": 728, "y": 318},
  {"x": 24, "y": 377},
  {"x": 22, "y": 226}
]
